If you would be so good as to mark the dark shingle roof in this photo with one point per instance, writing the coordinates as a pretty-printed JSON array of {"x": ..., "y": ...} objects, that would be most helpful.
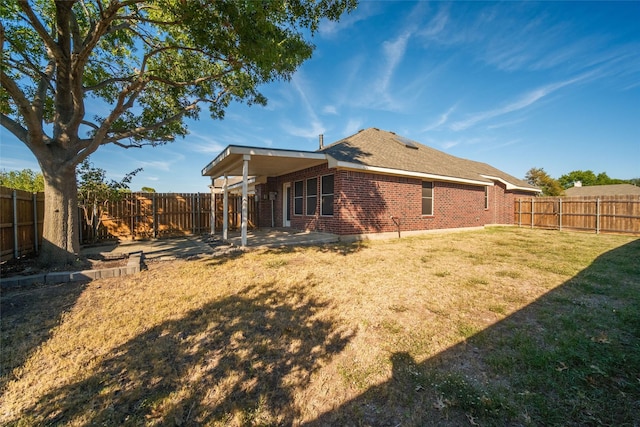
[
  {"x": 604, "y": 190},
  {"x": 378, "y": 148}
]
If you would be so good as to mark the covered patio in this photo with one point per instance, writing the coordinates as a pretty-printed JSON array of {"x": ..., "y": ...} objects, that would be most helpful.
[{"x": 240, "y": 166}]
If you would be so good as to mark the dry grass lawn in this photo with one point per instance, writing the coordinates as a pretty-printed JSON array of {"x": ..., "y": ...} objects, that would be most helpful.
[{"x": 496, "y": 327}]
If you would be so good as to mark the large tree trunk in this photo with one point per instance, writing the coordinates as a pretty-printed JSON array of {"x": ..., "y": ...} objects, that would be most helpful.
[{"x": 60, "y": 243}]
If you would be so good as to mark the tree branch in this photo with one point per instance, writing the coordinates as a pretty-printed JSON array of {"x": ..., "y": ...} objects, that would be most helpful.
[
  {"x": 90, "y": 124},
  {"x": 144, "y": 129},
  {"x": 190, "y": 83},
  {"x": 41, "y": 93},
  {"x": 14, "y": 127},
  {"x": 75, "y": 33},
  {"x": 106, "y": 82},
  {"x": 99, "y": 137},
  {"x": 40, "y": 29},
  {"x": 24, "y": 107}
]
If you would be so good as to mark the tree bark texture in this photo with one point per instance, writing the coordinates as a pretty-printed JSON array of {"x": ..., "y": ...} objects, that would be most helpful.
[{"x": 61, "y": 242}]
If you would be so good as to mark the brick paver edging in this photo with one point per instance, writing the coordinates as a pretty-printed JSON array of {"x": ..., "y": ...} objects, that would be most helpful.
[{"x": 133, "y": 266}]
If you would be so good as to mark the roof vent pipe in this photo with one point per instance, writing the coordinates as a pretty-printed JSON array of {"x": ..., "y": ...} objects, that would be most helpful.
[{"x": 321, "y": 141}]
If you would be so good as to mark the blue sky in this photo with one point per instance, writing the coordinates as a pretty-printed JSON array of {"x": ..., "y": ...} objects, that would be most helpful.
[{"x": 516, "y": 85}]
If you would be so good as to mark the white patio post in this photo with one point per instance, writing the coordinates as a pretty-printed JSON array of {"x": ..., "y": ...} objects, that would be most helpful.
[
  {"x": 212, "y": 217},
  {"x": 245, "y": 198},
  {"x": 225, "y": 208}
]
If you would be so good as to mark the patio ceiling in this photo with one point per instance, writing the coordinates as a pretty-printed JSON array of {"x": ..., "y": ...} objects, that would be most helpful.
[{"x": 262, "y": 162}]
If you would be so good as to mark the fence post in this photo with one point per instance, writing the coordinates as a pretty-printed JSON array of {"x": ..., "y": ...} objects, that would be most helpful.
[
  {"x": 560, "y": 214},
  {"x": 519, "y": 212},
  {"x": 598, "y": 215},
  {"x": 193, "y": 214},
  {"x": 154, "y": 215},
  {"x": 14, "y": 200},
  {"x": 198, "y": 215},
  {"x": 35, "y": 221},
  {"x": 532, "y": 209}
]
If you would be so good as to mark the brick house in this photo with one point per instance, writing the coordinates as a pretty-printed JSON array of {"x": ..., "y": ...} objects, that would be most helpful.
[{"x": 372, "y": 182}]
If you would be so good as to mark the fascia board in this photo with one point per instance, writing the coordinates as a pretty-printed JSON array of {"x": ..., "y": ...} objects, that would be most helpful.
[
  {"x": 270, "y": 152},
  {"x": 219, "y": 158},
  {"x": 257, "y": 151},
  {"x": 510, "y": 186},
  {"x": 333, "y": 163}
]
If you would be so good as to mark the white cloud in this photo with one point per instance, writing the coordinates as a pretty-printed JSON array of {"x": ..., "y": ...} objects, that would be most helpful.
[
  {"x": 312, "y": 131},
  {"x": 363, "y": 12},
  {"x": 155, "y": 164},
  {"x": 9, "y": 163},
  {"x": 449, "y": 144},
  {"x": 352, "y": 127},
  {"x": 393, "y": 52},
  {"x": 500, "y": 145},
  {"x": 330, "y": 109},
  {"x": 444, "y": 117},
  {"x": 524, "y": 101},
  {"x": 505, "y": 124},
  {"x": 437, "y": 24},
  {"x": 314, "y": 126}
]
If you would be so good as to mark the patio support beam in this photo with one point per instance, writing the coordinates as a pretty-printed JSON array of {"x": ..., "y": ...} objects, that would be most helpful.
[
  {"x": 225, "y": 208},
  {"x": 245, "y": 198},
  {"x": 212, "y": 218}
]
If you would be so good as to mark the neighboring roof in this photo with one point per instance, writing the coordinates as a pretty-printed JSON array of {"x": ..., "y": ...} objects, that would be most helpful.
[
  {"x": 604, "y": 190},
  {"x": 370, "y": 150},
  {"x": 376, "y": 150}
]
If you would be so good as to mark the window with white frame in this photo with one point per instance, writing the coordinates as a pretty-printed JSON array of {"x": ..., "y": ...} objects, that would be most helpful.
[
  {"x": 312, "y": 196},
  {"x": 326, "y": 195},
  {"x": 427, "y": 198},
  {"x": 297, "y": 197}
]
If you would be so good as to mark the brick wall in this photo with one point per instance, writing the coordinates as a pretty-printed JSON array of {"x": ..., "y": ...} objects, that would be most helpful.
[{"x": 365, "y": 203}]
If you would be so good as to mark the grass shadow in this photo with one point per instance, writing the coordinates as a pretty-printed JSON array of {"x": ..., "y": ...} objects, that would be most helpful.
[
  {"x": 223, "y": 258},
  {"x": 27, "y": 316},
  {"x": 341, "y": 248},
  {"x": 239, "y": 359},
  {"x": 572, "y": 357}
]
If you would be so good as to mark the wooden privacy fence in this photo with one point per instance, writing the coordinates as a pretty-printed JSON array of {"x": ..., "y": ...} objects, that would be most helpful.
[
  {"x": 604, "y": 214},
  {"x": 21, "y": 219},
  {"x": 152, "y": 215},
  {"x": 136, "y": 216}
]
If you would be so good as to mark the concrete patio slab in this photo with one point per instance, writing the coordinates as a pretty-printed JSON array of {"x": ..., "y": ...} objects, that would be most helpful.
[
  {"x": 278, "y": 237},
  {"x": 188, "y": 246}
]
